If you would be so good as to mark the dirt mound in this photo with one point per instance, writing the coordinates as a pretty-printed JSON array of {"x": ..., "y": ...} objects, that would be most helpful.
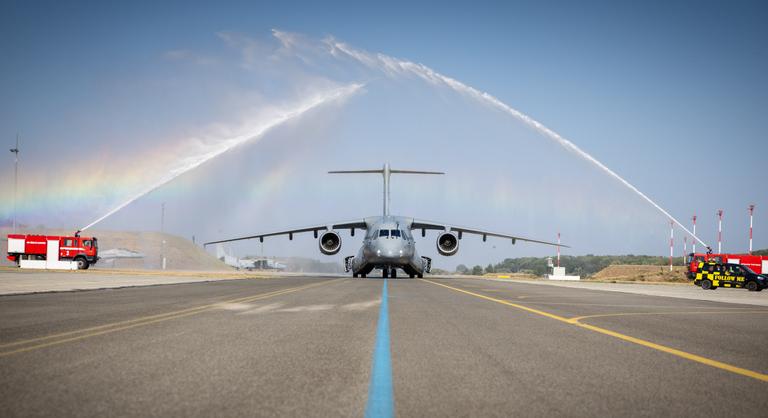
[
  {"x": 181, "y": 253},
  {"x": 624, "y": 272}
]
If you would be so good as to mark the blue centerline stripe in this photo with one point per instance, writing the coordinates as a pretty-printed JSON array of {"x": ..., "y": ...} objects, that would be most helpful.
[{"x": 380, "y": 399}]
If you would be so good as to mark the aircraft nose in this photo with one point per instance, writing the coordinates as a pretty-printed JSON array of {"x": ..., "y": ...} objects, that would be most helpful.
[{"x": 392, "y": 250}]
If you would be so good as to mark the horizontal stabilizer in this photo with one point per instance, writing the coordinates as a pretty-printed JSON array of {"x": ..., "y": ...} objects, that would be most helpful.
[
  {"x": 356, "y": 171},
  {"x": 382, "y": 172},
  {"x": 386, "y": 171}
]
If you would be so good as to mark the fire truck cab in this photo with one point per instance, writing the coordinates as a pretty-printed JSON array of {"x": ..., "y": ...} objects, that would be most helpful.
[{"x": 83, "y": 251}]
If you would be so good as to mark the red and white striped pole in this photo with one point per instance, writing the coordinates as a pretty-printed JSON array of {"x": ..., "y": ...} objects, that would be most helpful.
[
  {"x": 671, "y": 243},
  {"x": 558, "y": 249},
  {"x": 694, "y": 233},
  {"x": 751, "y": 209},
  {"x": 720, "y": 231}
]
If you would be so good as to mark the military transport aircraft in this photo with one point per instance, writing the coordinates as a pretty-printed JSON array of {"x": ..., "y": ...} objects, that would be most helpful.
[{"x": 389, "y": 243}]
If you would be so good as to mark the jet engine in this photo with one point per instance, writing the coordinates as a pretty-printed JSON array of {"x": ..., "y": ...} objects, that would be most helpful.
[
  {"x": 330, "y": 243},
  {"x": 447, "y": 244}
]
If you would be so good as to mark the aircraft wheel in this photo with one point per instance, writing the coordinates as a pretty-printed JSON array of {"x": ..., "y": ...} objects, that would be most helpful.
[
  {"x": 411, "y": 275},
  {"x": 362, "y": 275},
  {"x": 706, "y": 284},
  {"x": 393, "y": 273},
  {"x": 421, "y": 276},
  {"x": 384, "y": 273},
  {"x": 354, "y": 275}
]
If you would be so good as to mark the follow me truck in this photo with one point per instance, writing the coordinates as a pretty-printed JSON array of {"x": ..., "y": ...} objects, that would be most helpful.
[{"x": 711, "y": 275}]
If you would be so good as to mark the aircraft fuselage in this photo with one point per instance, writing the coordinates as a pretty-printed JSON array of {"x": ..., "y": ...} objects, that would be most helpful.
[{"x": 388, "y": 245}]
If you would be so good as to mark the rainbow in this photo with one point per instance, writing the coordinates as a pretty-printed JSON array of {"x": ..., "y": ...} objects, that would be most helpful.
[{"x": 111, "y": 182}]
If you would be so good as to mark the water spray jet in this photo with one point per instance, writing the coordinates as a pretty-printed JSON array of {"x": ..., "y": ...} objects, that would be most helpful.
[
  {"x": 222, "y": 146},
  {"x": 393, "y": 67}
]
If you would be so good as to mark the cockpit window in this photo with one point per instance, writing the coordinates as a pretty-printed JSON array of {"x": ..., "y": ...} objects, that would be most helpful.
[
  {"x": 384, "y": 233},
  {"x": 395, "y": 233}
]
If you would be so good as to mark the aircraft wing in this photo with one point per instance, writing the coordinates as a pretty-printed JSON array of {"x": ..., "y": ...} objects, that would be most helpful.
[
  {"x": 352, "y": 225},
  {"x": 425, "y": 225}
]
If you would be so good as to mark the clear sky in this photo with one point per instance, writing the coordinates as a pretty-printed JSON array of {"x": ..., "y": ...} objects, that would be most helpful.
[{"x": 670, "y": 95}]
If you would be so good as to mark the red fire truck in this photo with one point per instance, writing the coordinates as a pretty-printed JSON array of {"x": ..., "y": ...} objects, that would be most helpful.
[
  {"x": 756, "y": 263},
  {"x": 82, "y": 250}
]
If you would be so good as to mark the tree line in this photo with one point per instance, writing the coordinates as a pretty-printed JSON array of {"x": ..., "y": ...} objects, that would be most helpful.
[{"x": 582, "y": 265}]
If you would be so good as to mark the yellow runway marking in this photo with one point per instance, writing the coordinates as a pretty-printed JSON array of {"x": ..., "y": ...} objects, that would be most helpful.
[
  {"x": 503, "y": 302},
  {"x": 608, "y": 305},
  {"x": 133, "y": 323},
  {"x": 659, "y": 347},
  {"x": 729, "y": 312}
]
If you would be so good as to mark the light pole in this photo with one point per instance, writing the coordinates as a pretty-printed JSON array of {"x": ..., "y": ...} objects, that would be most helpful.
[
  {"x": 558, "y": 249},
  {"x": 162, "y": 235},
  {"x": 15, "y": 179},
  {"x": 751, "y": 209},
  {"x": 719, "y": 231}
]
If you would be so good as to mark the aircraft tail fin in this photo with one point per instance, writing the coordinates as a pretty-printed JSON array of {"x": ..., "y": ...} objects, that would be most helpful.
[{"x": 386, "y": 172}]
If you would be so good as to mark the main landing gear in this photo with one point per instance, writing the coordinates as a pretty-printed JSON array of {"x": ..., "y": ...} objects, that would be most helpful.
[{"x": 389, "y": 272}]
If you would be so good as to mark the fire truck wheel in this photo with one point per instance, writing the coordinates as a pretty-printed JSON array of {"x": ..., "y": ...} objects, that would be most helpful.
[
  {"x": 752, "y": 286},
  {"x": 82, "y": 264},
  {"x": 706, "y": 284}
]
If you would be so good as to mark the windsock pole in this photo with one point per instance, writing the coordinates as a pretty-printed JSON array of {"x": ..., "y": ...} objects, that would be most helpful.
[
  {"x": 694, "y": 233},
  {"x": 751, "y": 209},
  {"x": 720, "y": 231},
  {"x": 671, "y": 242}
]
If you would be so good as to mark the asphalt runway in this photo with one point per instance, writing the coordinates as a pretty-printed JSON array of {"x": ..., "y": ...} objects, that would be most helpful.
[{"x": 320, "y": 346}]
